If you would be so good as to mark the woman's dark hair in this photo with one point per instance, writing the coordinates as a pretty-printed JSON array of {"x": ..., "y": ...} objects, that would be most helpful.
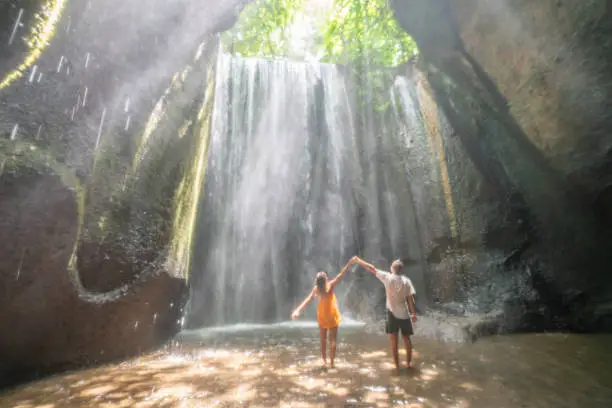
[{"x": 321, "y": 282}]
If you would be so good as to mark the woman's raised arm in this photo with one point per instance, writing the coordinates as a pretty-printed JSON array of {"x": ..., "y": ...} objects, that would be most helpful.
[{"x": 342, "y": 272}]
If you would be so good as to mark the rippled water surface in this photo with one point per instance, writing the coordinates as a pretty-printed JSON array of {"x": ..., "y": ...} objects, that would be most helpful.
[{"x": 265, "y": 366}]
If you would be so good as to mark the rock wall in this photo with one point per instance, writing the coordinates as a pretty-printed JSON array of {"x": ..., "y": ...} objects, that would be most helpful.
[
  {"x": 49, "y": 327},
  {"x": 524, "y": 86},
  {"x": 104, "y": 125}
]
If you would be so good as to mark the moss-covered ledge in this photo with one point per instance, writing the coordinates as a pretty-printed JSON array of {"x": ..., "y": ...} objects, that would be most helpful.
[
  {"x": 99, "y": 223},
  {"x": 55, "y": 324}
]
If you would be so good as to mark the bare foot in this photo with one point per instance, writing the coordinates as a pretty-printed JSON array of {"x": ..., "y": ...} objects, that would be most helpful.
[{"x": 332, "y": 365}]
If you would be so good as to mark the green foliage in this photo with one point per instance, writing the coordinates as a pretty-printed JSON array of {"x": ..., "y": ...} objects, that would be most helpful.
[
  {"x": 362, "y": 34},
  {"x": 365, "y": 32},
  {"x": 365, "y": 35},
  {"x": 263, "y": 29},
  {"x": 356, "y": 32}
]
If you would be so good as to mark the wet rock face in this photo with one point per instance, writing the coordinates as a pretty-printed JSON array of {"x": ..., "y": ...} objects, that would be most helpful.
[
  {"x": 525, "y": 87},
  {"x": 48, "y": 326},
  {"x": 552, "y": 61},
  {"x": 437, "y": 41},
  {"x": 16, "y": 17},
  {"x": 83, "y": 104}
]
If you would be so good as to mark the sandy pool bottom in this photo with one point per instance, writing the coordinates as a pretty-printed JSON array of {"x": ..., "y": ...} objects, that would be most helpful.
[{"x": 281, "y": 367}]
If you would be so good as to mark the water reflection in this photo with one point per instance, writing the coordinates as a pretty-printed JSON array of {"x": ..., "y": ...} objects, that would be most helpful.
[{"x": 279, "y": 366}]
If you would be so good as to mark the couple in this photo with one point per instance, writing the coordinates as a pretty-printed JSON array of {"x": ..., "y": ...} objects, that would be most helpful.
[{"x": 401, "y": 312}]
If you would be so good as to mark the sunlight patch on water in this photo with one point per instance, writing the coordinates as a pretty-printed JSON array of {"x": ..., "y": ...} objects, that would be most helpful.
[
  {"x": 249, "y": 327},
  {"x": 259, "y": 370}
]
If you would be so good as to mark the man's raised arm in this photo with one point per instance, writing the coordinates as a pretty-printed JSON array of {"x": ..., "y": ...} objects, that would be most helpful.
[{"x": 366, "y": 265}]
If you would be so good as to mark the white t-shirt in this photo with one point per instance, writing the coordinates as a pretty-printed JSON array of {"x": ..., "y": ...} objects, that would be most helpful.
[{"x": 398, "y": 288}]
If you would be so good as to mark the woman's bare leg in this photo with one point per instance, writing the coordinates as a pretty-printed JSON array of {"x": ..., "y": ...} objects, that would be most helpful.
[
  {"x": 333, "y": 334},
  {"x": 323, "y": 335}
]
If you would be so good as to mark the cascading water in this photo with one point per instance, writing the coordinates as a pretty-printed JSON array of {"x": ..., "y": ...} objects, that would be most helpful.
[{"x": 286, "y": 192}]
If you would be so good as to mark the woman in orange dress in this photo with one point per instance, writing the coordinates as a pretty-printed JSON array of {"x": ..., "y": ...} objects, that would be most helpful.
[{"x": 328, "y": 313}]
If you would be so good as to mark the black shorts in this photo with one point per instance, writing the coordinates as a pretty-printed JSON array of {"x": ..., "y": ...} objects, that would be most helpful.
[{"x": 394, "y": 325}]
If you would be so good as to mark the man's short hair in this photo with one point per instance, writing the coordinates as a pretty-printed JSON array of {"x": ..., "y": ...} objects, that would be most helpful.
[{"x": 397, "y": 265}]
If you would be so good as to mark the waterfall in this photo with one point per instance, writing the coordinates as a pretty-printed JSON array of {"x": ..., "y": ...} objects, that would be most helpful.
[{"x": 286, "y": 193}]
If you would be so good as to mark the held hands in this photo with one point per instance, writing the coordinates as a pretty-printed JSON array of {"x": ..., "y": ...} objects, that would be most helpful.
[
  {"x": 354, "y": 260},
  {"x": 370, "y": 268},
  {"x": 295, "y": 314}
]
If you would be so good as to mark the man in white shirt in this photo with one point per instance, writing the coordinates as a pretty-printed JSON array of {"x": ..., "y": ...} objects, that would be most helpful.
[{"x": 401, "y": 312}]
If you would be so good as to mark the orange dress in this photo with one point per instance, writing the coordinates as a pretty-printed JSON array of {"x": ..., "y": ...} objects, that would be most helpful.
[{"x": 328, "y": 314}]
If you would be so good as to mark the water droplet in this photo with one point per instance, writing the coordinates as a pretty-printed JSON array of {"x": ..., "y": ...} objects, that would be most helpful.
[
  {"x": 38, "y": 132},
  {"x": 127, "y": 123},
  {"x": 60, "y": 63},
  {"x": 20, "y": 264},
  {"x": 136, "y": 325},
  {"x": 126, "y": 106},
  {"x": 100, "y": 127},
  {"x": 14, "y": 131},
  {"x": 17, "y": 24},
  {"x": 85, "y": 96},
  {"x": 39, "y": 77},
  {"x": 86, "y": 61},
  {"x": 33, "y": 73}
]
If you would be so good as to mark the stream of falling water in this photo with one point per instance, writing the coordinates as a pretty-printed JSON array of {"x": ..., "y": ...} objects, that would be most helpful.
[
  {"x": 278, "y": 365},
  {"x": 266, "y": 201},
  {"x": 291, "y": 186}
]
